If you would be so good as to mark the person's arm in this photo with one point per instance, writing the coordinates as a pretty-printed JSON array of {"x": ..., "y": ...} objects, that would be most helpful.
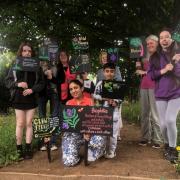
[
  {"x": 97, "y": 91},
  {"x": 10, "y": 81},
  {"x": 118, "y": 76}
]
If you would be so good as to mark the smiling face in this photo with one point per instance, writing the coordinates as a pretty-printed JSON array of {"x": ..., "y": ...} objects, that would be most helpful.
[
  {"x": 151, "y": 46},
  {"x": 26, "y": 51},
  {"x": 165, "y": 39},
  {"x": 75, "y": 90},
  {"x": 63, "y": 58}
]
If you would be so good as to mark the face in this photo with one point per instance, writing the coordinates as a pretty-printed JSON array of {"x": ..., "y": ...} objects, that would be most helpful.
[
  {"x": 63, "y": 57},
  {"x": 104, "y": 58},
  {"x": 109, "y": 73},
  {"x": 84, "y": 75},
  {"x": 26, "y": 51},
  {"x": 151, "y": 46},
  {"x": 165, "y": 39},
  {"x": 75, "y": 90}
]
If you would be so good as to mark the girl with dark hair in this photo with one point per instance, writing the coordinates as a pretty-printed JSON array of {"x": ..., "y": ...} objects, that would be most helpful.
[
  {"x": 23, "y": 87},
  {"x": 165, "y": 70},
  {"x": 71, "y": 142}
]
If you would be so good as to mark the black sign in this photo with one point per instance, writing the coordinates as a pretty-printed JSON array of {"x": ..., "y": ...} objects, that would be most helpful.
[
  {"x": 88, "y": 119},
  {"x": 80, "y": 43},
  {"x": 79, "y": 63},
  {"x": 27, "y": 64},
  {"x": 137, "y": 47},
  {"x": 46, "y": 127},
  {"x": 113, "y": 89}
]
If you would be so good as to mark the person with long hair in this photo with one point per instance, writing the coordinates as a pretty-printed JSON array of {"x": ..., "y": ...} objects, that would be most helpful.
[
  {"x": 71, "y": 142},
  {"x": 165, "y": 70},
  {"x": 23, "y": 87}
]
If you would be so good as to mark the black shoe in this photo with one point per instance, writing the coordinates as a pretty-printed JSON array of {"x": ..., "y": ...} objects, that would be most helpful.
[
  {"x": 172, "y": 155},
  {"x": 20, "y": 152},
  {"x": 28, "y": 152},
  {"x": 143, "y": 143},
  {"x": 166, "y": 150}
]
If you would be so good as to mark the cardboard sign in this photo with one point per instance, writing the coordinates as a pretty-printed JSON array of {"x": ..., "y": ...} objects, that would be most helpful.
[
  {"x": 87, "y": 119},
  {"x": 113, "y": 55},
  {"x": 113, "y": 89},
  {"x": 27, "y": 64},
  {"x": 46, "y": 127},
  {"x": 137, "y": 47},
  {"x": 80, "y": 43},
  {"x": 79, "y": 63}
]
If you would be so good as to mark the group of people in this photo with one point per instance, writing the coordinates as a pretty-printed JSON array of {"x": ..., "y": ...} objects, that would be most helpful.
[{"x": 159, "y": 92}]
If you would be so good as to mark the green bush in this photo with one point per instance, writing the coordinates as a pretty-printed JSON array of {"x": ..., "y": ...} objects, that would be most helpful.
[
  {"x": 131, "y": 112},
  {"x": 7, "y": 140}
]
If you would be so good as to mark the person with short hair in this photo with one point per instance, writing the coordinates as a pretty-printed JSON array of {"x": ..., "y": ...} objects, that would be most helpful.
[
  {"x": 109, "y": 74},
  {"x": 150, "y": 128}
]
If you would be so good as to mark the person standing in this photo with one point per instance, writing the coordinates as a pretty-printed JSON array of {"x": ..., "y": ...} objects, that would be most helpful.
[
  {"x": 150, "y": 128},
  {"x": 165, "y": 70},
  {"x": 23, "y": 88}
]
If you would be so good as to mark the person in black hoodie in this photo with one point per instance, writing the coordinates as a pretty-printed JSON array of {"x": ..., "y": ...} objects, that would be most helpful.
[{"x": 23, "y": 87}]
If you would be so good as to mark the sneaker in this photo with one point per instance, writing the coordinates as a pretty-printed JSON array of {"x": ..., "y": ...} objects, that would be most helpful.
[
  {"x": 43, "y": 148},
  {"x": 166, "y": 149},
  {"x": 172, "y": 155},
  {"x": 156, "y": 146},
  {"x": 110, "y": 155},
  {"x": 54, "y": 147},
  {"x": 143, "y": 143}
]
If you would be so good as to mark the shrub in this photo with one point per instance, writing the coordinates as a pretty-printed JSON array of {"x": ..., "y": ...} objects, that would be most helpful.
[{"x": 131, "y": 112}]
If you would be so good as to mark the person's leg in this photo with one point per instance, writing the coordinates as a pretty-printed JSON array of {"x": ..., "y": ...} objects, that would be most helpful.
[
  {"x": 155, "y": 124},
  {"x": 171, "y": 116},
  {"x": 162, "y": 107},
  {"x": 42, "y": 102},
  {"x": 29, "y": 132},
  {"x": 20, "y": 124},
  {"x": 145, "y": 117}
]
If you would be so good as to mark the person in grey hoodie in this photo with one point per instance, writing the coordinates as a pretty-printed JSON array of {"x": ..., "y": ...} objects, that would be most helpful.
[{"x": 165, "y": 70}]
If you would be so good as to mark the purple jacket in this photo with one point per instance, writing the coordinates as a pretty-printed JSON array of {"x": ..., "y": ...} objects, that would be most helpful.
[{"x": 166, "y": 86}]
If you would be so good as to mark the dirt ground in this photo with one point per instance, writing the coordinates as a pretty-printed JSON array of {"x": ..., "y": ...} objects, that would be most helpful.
[{"x": 132, "y": 160}]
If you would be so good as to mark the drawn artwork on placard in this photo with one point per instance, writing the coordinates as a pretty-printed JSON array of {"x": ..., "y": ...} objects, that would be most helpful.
[
  {"x": 113, "y": 55},
  {"x": 43, "y": 52},
  {"x": 113, "y": 89},
  {"x": 137, "y": 47},
  {"x": 70, "y": 118},
  {"x": 79, "y": 63},
  {"x": 80, "y": 43}
]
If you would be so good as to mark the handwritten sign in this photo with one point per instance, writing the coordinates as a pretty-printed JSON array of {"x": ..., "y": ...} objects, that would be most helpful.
[
  {"x": 79, "y": 63},
  {"x": 87, "y": 119},
  {"x": 46, "y": 127},
  {"x": 137, "y": 47},
  {"x": 27, "y": 64},
  {"x": 113, "y": 89},
  {"x": 80, "y": 43}
]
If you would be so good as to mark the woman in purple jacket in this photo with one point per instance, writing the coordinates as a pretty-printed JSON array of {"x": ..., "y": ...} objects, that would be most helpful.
[{"x": 165, "y": 70}]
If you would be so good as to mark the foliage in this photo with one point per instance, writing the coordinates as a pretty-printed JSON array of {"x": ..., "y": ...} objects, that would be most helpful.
[{"x": 131, "y": 112}]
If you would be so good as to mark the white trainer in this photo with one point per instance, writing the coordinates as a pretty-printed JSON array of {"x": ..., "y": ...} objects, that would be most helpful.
[{"x": 110, "y": 155}]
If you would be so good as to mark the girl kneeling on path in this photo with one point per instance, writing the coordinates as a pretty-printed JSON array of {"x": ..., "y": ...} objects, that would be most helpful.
[{"x": 71, "y": 142}]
